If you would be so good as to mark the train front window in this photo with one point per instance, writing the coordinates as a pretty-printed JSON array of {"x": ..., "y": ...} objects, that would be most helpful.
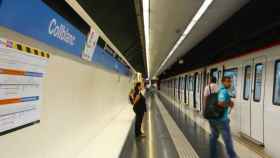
[
  {"x": 258, "y": 82},
  {"x": 247, "y": 82},
  {"x": 232, "y": 73},
  {"x": 276, "y": 93}
]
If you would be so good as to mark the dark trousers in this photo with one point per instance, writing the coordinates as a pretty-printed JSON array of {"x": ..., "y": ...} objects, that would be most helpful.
[
  {"x": 221, "y": 127},
  {"x": 138, "y": 122}
]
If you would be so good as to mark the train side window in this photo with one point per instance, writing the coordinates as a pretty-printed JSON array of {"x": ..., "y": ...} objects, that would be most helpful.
[
  {"x": 258, "y": 82},
  {"x": 182, "y": 83},
  {"x": 187, "y": 83},
  {"x": 191, "y": 83},
  {"x": 247, "y": 82},
  {"x": 189, "y": 80},
  {"x": 232, "y": 73},
  {"x": 276, "y": 87},
  {"x": 215, "y": 73},
  {"x": 198, "y": 83},
  {"x": 179, "y": 87}
]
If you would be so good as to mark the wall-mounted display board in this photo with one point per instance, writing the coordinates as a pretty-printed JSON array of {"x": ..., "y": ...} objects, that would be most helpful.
[{"x": 22, "y": 69}]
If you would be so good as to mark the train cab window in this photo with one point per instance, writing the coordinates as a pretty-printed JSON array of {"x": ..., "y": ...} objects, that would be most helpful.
[
  {"x": 232, "y": 73},
  {"x": 276, "y": 89},
  {"x": 258, "y": 82},
  {"x": 247, "y": 83}
]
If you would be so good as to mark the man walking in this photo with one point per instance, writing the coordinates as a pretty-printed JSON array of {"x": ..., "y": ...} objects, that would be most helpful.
[{"x": 221, "y": 125}]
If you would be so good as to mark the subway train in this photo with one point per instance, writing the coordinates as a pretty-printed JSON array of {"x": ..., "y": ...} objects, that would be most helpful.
[{"x": 255, "y": 91}]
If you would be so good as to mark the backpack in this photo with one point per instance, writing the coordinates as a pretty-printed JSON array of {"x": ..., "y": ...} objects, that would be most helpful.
[{"x": 212, "y": 110}]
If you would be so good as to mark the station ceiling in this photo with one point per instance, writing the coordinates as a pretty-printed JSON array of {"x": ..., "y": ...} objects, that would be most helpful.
[
  {"x": 169, "y": 20},
  {"x": 255, "y": 26}
]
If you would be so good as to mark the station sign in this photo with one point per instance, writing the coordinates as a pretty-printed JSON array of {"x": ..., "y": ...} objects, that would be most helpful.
[{"x": 35, "y": 19}]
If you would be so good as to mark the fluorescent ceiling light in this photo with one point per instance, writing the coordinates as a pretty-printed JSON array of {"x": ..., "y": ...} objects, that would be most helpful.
[
  {"x": 146, "y": 16},
  {"x": 202, "y": 9},
  {"x": 188, "y": 29}
]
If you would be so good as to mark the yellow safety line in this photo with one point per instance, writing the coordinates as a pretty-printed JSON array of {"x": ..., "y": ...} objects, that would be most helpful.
[{"x": 30, "y": 50}]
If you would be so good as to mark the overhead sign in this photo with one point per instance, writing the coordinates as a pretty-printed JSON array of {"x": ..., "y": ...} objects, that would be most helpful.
[
  {"x": 90, "y": 45},
  {"x": 37, "y": 20},
  {"x": 22, "y": 69}
]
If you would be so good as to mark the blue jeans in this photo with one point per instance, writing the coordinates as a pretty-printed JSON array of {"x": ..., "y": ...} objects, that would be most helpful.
[{"x": 221, "y": 127}]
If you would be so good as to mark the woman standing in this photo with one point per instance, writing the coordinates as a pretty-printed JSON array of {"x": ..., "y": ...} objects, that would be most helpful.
[{"x": 139, "y": 107}]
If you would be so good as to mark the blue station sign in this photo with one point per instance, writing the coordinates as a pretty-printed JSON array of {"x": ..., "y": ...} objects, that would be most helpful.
[{"x": 35, "y": 19}]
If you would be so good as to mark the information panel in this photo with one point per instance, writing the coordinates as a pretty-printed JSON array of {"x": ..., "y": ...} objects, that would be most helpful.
[
  {"x": 22, "y": 69},
  {"x": 90, "y": 45}
]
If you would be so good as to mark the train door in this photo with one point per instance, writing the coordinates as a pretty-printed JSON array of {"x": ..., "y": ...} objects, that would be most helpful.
[
  {"x": 252, "y": 108},
  {"x": 197, "y": 91}
]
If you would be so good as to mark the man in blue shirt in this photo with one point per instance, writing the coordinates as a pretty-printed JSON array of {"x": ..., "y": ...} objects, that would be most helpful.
[{"x": 221, "y": 125}]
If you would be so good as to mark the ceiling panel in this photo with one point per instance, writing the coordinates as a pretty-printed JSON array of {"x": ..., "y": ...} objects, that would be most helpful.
[{"x": 168, "y": 20}]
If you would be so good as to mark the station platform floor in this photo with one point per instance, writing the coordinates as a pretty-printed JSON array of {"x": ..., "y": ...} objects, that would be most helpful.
[{"x": 173, "y": 134}]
